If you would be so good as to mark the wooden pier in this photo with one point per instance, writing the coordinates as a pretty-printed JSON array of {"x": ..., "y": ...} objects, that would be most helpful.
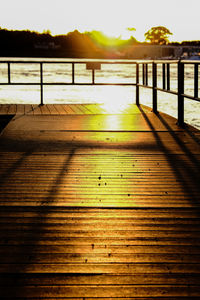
[{"x": 98, "y": 204}]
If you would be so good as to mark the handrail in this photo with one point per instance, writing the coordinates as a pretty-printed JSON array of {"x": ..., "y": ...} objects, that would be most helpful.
[
  {"x": 166, "y": 83},
  {"x": 94, "y": 65}
]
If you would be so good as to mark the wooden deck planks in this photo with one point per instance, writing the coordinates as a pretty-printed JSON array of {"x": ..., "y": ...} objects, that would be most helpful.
[
  {"x": 112, "y": 291},
  {"x": 62, "y": 109},
  {"x": 52, "y": 109},
  {"x": 88, "y": 212}
]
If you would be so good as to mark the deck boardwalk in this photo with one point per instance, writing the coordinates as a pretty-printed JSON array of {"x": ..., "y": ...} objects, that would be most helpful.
[{"x": 98, "y": 205}]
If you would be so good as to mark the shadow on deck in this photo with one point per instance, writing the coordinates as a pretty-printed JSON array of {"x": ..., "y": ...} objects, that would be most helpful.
[{"x": 99, "y": 206}]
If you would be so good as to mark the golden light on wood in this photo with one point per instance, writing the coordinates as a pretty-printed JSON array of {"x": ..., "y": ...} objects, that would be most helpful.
[{"x": 98, "y": 205}]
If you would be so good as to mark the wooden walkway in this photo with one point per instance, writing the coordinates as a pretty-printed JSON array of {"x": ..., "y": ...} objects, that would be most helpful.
[
  {"x": 64, "y": 109},
  {"x": 98, "y": 206}
]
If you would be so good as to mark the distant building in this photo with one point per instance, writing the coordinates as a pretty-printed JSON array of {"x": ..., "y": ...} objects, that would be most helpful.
[
  {"x": 147, "y": 51},
  {"x": 46, "y": 46}
]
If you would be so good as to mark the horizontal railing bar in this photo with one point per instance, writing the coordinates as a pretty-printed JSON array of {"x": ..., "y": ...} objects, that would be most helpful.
[
  {"x": 191, "y": 97},
  {"x": 103, "y": 62},
  {"x": 62, "y": 83},
  {"x": 99, "y": 61},
  {"x": 176, "y": 94},
  {"x": 190, "y": 62},
  {"x": 166, "y": 61},
  {"x": 167, "y": 91},
  {"x": 68, "y": 62},
  {"x": 145, "y": 86},
  {"x": 158, "y": 62}
]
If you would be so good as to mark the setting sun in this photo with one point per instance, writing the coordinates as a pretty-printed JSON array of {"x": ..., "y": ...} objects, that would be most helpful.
[{"x": 111, "y": 17}]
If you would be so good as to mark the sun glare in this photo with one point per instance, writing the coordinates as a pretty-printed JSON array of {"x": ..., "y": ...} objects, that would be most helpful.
[
  {"x": 107, "y": 38},
  {"x": 115, "y": 100}
]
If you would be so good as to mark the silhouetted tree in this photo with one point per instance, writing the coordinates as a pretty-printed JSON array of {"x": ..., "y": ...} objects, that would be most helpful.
[{"x": 158, "y": 35}]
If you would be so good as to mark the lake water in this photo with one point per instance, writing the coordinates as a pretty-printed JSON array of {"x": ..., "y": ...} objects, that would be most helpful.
[{"x": 116, "y": 96}]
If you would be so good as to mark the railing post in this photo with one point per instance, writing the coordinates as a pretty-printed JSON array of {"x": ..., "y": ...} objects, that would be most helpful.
[
  {"x": 137, "y": 85},
  {"x": 196, "y": 80},
  {"x": 73, "y": 74},
  {"x": 154, "y": 81},
  {"x": 93, "y": 76},
  {"x": 9, "y": 80},
  {"x": 143, "y": 74},
  {"x": 168, "y": 77},
  {"x": 163, "y": 76},
  {"x": 180, "y": 93},
  {"x": 41, "y": 84},
  {"x": 146, "y": 74}
]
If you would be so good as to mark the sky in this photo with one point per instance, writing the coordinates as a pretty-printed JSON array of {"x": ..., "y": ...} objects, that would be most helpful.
[{"x": 181, "y": 17}]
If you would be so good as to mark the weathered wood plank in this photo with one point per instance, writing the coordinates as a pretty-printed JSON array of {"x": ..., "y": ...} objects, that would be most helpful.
[
  {"x": 104, "y": 241},
  {"x": 112, "y": 279},
  {"x": 20, "y": 109},
  {"x": 101, "y": 249},
  {"x": 99, "y": 268},
  {"x": 12, "y": 109},
  {"x": 113, "y": 298},
  {"x": 36, "y": 109},
  {"x": 85, "y": 109},
  {"x": 4, "y": 109},
  {"x": 52, "y": 109},
  {"x": 96, "y": 109},
  {"x": 28, "y": 109},
  {"x": 100, "y": 298},
  {"x": 109, "y": 292},
  {"x": 100, "y": 233},
  {"x": 44, "y": 110},
  {"x": 47, "y": 258},
  {"x": 101, "y": 214},
  {"x": 68, "y": 109},
  {"x": 60, "y": 109},
  {"x": 152, "y": 221},
  {"x": 76, "y": 109},
  {"x": 73, "y": 225}
]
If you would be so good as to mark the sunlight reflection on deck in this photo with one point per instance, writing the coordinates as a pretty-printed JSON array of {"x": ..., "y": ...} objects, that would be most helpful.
[
  {"x": 114, "y": 106},
  {"x": 115, "y": 101}
]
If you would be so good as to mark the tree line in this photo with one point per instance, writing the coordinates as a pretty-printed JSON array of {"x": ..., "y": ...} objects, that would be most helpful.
[{"x": 92, "y": 44}]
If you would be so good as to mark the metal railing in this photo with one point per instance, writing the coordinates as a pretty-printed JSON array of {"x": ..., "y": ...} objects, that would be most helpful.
[
  {"x": 141, "y": 74},
  {"x": 165, "y": 80}
]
